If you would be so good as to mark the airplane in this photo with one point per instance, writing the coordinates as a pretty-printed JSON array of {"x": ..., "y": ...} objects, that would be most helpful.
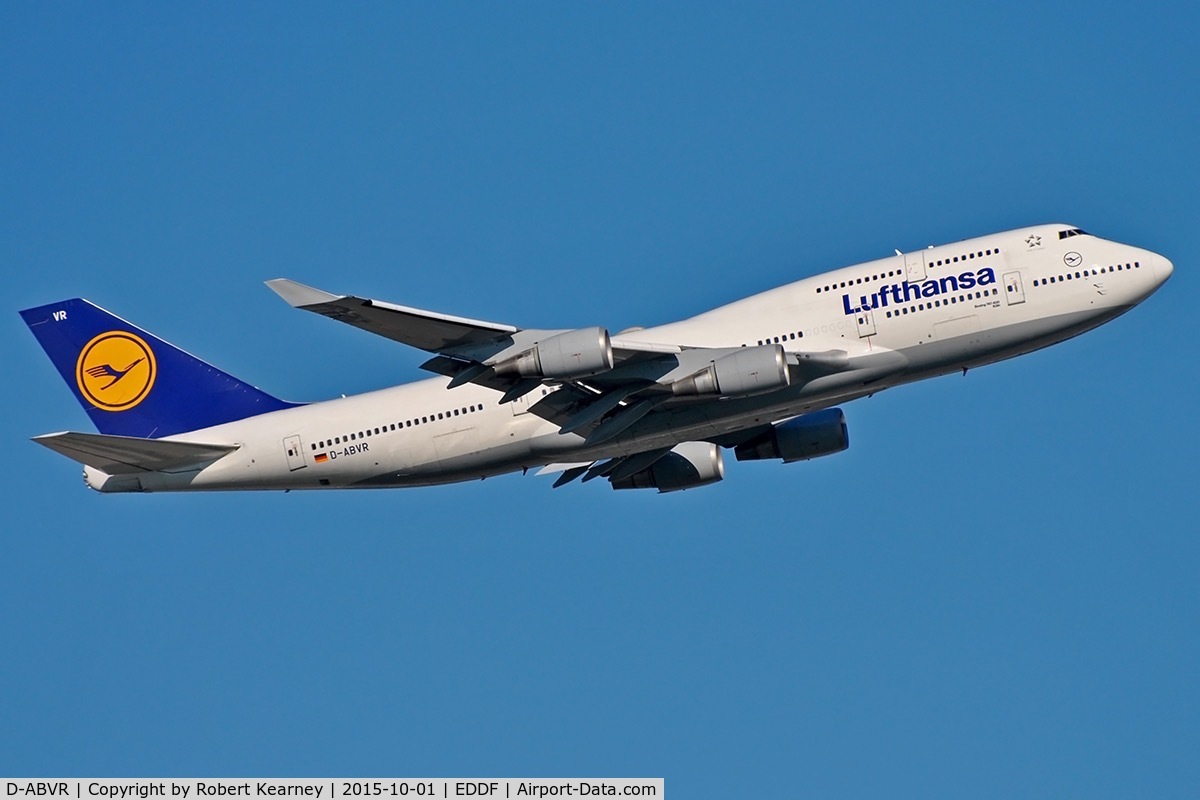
[{"x": 645, "y": 408}]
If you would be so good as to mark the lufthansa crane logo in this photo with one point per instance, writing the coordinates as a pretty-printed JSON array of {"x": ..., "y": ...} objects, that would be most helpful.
[{"x": 115, "y": 371}]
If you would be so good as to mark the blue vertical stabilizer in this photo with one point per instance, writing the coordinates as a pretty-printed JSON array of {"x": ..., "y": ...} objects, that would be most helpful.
[{"x": 130, "y": 382}]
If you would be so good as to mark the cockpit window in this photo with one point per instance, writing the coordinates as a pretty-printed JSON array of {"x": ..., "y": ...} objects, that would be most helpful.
[{"x": 1073, "y": 232}]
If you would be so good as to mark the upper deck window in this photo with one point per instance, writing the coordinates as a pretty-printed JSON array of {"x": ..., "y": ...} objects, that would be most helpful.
[{"x": 1072, "y": 232}]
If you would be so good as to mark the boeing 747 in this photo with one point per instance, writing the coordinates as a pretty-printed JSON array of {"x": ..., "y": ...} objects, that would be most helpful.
[{"x": 643, "y": 408}]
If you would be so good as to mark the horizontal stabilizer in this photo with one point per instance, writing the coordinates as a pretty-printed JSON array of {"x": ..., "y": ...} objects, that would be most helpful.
[{"x": 126, "y": 455}]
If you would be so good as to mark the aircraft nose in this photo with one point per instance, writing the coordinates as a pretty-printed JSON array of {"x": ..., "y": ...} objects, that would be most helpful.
[{"x": 1163, "y": 268}]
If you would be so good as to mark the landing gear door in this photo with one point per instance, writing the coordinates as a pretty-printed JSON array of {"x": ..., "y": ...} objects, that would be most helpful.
[
  {"x": 914, "y": 267},
  {"x": 866, "y": 323},
  {"x": 295, "y": 454},
  {"x": 527, "y": 401},
  {"x": 521, "y": 405},
  {"x": 1014, "y": 291}
]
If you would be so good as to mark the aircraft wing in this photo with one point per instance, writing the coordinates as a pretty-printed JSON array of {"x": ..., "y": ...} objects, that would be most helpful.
[
  {"x": 604, "y": 384},
  {"x": 127, "y": 455},
  {"x": 467, "y": 341},
  {"x": 425, "y": 330}
]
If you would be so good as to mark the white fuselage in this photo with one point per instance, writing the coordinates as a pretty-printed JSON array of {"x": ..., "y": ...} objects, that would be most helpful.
[{"x": 900, "y": 319}]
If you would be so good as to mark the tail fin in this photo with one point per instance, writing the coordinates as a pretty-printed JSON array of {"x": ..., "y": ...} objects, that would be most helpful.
[{"x": 130, "y": 382}]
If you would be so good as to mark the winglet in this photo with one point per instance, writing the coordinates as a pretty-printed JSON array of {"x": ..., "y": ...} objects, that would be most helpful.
[{"x": 298, "y": 295}]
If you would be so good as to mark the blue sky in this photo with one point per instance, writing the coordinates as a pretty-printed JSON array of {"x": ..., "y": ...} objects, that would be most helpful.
[{"x": 993, "y": 592}]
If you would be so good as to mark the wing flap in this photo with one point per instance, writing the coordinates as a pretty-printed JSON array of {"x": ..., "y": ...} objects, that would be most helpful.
[
  {"x": 128, "y": 455},
  {"x": 627, "y": 349}
]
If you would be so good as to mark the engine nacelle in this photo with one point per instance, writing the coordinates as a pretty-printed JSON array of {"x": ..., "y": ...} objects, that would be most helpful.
[
  {"x": 687, "y": 466},
  {"x": 749, "y": 371},
  {"x": 573, "y": 354},
  {"x": 821, "y": 433}
]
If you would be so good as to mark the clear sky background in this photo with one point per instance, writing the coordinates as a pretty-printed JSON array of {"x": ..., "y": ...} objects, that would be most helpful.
[{"x": 993, "y": 593}]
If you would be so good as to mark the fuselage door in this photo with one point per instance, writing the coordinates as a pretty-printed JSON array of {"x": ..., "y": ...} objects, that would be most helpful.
[
  {"x": 1014, "y": 291},
  {"x": 866, "y": 323},
  {"x": 295, "y": 453},
  {"x": 914, "y": 266}
]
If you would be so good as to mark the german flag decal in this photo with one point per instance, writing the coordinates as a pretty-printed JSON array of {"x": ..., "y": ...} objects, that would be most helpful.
[{"x": 321, "y": 458}]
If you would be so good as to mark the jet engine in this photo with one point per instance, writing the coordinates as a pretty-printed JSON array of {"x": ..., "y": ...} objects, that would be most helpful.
[
  {"x": 687, "y": 466},
  {"x": 813, "y": 435},
  {"x": 749, "y": 371},
  {"x": 573, "y": 354}
]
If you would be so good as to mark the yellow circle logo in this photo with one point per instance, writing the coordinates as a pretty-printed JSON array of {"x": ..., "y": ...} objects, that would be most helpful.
[{"x": 115, "y": 371}]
